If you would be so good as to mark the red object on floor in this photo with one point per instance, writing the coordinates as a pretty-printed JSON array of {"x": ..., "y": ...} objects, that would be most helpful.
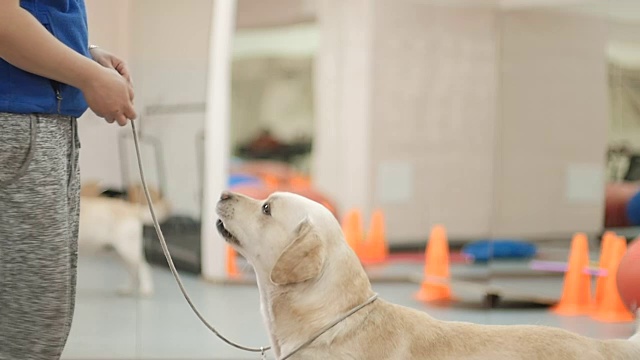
[
  {"x": 628, "y": 276},
  {"x": 454, "y": 257}
]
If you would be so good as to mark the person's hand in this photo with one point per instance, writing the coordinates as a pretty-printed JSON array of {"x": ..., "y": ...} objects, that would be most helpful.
[
  {"x": 110, "y": 95},
  {"x": 111, "y": 61}
]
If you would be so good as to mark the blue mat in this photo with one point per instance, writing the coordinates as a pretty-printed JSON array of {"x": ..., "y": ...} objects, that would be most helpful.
[
  {"x": 236, "y": 180},
  {"x": 484, "y": 250}
]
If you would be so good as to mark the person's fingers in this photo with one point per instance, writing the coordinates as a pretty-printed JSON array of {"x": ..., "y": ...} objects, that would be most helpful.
[
  {"x": 106, "y": 64},
  {"x": 132, "y": 94},
  {"x": 104, "y": 61},
  {"x": 109, "y": 120},
  {"x": 103, "y": 58},
  {"x": 121, "y": 119},
  {"x": 130, "y": 112},
  {"x": 122, "y": 68}
]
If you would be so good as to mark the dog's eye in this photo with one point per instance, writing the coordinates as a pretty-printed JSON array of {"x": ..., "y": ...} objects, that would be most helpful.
[{"x": 266, "y": 209}]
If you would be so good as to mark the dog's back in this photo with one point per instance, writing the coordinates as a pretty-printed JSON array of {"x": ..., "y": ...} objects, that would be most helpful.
[
  {"x": 462, "y": 340},
  {"x": 411, "y": 334},
  {"x": 102, "y": 220}
]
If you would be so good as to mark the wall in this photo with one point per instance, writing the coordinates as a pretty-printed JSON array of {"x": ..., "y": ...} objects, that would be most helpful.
[
  {"x": 553, "y": 122},
  {"x": 341, "y": 148},
  {"x": 491, "y": 122},
  {"x": 169, "y": 45},
  {"x": 399, "y": 126},
  {"x": 109, "y": 27},
  {"x": 433, "y": 117}
]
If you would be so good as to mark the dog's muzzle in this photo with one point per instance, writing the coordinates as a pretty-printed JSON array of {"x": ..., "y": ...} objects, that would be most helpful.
[
  {"x": 226, "y": 235},
  {"x": 224, "y": 211}
]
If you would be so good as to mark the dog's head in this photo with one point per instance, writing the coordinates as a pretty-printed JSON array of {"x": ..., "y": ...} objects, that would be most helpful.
[{"x": 286, "y": 237}]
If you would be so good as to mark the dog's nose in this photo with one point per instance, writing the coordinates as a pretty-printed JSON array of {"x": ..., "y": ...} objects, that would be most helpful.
[{"x": 225, "y": 196}]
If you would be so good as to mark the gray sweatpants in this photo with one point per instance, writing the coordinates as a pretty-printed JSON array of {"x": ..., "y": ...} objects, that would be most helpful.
[{"x": 39, "y": 209}]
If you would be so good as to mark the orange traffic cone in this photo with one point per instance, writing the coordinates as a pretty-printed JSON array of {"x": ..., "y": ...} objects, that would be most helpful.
[
  {"x": 576, "y": 293},
  {"x": 375, "y": 249},
  {"x": 353, "y": 232},
  {"x": 232, "y": 266},
  {"x": 436, "y": 267},
  {"x": 608, "y": 242},
  {"x": 611, "y": 309}
]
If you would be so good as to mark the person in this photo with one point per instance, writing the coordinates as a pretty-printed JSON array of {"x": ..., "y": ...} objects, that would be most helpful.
[{"x": 49, "y": 76}]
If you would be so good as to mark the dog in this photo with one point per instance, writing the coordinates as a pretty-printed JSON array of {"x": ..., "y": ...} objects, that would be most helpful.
[
  {"x": 109, "y": 222},
  {"x": 308, "y": 277}
]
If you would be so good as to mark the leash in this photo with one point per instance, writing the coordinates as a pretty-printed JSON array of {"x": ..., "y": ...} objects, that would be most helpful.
[
  {"x": 262, "y": 350},
  {"x": 165, "y": 250}
]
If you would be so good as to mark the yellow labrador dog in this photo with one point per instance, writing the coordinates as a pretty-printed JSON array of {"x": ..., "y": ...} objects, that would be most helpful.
[
  {"x": 119, "y": 223},
  {"x": 308, "y": 277}
]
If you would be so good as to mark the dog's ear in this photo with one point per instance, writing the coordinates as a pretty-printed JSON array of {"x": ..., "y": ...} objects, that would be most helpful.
[{"x": 302, "y": 259}]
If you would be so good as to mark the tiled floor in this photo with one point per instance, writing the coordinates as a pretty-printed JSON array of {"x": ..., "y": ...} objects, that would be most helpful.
[{"x": 107, "y": 326}]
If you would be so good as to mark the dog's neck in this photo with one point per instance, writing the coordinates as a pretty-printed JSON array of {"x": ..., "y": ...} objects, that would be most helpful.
[
  {"x": 264, "y": 287},
  {"x": 295, "y": 313}
]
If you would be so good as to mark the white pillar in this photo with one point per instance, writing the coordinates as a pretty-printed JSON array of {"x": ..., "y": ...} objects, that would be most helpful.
[
  {"x": 343, "y": 86},
  {"x": 216, "y": 144}
]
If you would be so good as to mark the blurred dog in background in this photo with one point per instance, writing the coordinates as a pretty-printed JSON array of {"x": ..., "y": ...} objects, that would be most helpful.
[{"x": 116, "y": 221}]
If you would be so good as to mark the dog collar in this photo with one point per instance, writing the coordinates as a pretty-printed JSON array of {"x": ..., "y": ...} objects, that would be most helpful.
[{"x": 331, "y": 325}]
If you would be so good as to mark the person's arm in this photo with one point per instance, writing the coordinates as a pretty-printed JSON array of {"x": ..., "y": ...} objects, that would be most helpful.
[{"x": 26, "y": 44}]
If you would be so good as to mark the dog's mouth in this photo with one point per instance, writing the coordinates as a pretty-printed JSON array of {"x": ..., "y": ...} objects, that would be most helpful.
[{"x": 226, "y": 235}]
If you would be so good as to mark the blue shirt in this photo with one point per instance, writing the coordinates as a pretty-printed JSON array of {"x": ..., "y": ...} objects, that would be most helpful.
[{"x": 26, "y": 93}]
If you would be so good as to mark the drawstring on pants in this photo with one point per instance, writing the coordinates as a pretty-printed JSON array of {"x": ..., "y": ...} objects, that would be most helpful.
[{"x": 72, "y": 158}]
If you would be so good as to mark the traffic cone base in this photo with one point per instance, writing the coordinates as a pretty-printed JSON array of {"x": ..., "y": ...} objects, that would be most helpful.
[
  {"x": 608, "y": 242},
  {"x": 436, "y": 266},
  {"x": 576, "y": 292},
  {"x": 611, "y": 309},
  {"x": 375, "y": 249},
  {"x": 433, "y": 292}
]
